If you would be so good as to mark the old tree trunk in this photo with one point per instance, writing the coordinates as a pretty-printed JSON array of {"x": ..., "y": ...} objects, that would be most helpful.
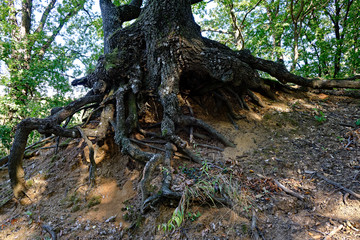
[{"x": 160, "y": 60}]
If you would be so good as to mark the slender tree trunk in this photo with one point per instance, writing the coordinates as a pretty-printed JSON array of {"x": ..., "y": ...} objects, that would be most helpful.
[{"x": 295, "y": 47}]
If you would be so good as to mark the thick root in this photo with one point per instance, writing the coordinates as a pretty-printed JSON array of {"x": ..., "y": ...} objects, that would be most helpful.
[
  {"x": 49, "y": 125},
  {"x": 92, "y": 168}
]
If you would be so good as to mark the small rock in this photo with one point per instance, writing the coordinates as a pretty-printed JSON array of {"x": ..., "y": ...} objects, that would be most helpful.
[{"x": 111, "y": 219}]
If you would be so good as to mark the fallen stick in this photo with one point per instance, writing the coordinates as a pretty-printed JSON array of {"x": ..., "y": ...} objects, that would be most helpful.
[
  {"x": 209, "y": 146},
  {"x": 291, "y": 192},
  {"x": 333, "y": 183},
  {"x": 157, "y": 148},
  {"x": 253, "y": 226},
  {"x": 333, "y": 232}
]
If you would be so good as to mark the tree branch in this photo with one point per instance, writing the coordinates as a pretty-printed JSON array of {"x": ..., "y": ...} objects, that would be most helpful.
[
  {"x": 58, "y": 29},
  {"x": 45, "y": 16},
  {"x": 49, "y": 125},
  {"x": 249, "y": 11},
  {"x": 26, "y": 9},
  {"x": 280, "y": 72},
  {"x": 215, "y": 30}
]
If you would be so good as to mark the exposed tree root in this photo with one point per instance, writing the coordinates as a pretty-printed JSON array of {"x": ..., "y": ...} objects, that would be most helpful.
[
  {"x": 48, "y": 125},
  {"x": 92, "y": 168},
  {"x": 155, "y": 60}
]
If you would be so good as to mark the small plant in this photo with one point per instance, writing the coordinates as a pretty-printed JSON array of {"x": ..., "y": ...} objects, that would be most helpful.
[
  {"x": 65, "y": 143},
  {"x": 30, "y": 215},
  {"x": 130, "y": 212},
  {"x": 341, "y": 139},
  {"x": 71, "y": 200},
  {"x": 357, "y": 123},
  {"x": 75, "y": 208},
  {"x": 54, "y": 158},
  {"x": 320, "y": 117},
  {"x": 29, "y": 183},
  {"x": 95, "y": 200},
  {"x": 177, "y": 218},
  {"x": 193, "y": 216},
  {"x": 205, "y": 167}
]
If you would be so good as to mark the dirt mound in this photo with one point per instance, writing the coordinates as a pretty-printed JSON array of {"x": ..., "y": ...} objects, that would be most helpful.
[{"x": 280, "y": 143}]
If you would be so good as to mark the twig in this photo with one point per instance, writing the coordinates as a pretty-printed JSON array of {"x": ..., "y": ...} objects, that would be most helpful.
[
  {"x": 209, "y": 146},
  {"x": 49, "y": 147},
  {"x": 334, "y": 183},
  {"x": 253, "y": 226},
  {"x": 333, "y": 232},
  {"x": 40, "y": 141},
  {"x": 4, "y": 160},
  {"x": 299, "y": 196},
  {"x": 346, "y": 195},
  {"x": 348, "y": 223},
  {"x": 157, "y": 148},
  {"x": 347, "y": 125},
  {"x": 317, "y": 231},
  {"x": 153, "y": 141},
  {"x": 349, "y": 142},
  {"x": 148, "y": 145}
]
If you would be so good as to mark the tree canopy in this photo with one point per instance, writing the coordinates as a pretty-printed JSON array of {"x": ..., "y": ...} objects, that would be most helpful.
[
  {"x": 39, "y": 43},
  {"x": 314, "y": 38}
]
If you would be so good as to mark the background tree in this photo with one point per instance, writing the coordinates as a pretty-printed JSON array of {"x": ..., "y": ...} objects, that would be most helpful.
[
  {"x": 338, "y": 12},
  {"x": 39, "y": 43},
  {"x": 302, "y": 33}
]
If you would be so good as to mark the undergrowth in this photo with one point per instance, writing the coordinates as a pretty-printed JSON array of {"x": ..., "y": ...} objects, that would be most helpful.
[{"x": 211, "y": 187}]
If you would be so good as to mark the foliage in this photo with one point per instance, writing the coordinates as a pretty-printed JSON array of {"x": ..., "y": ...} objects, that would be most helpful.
[
  {"x": 209, "y": 187},
  {"x": 42, "y": 45},
  {"x": 357, "y": 123},
  {"x": 325, "y": 33},
  {"x": 177, "y": 217},
  {"x": 320, "y": 117}
]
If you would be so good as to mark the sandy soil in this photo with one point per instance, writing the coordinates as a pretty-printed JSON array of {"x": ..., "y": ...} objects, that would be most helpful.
[{"x": 281, "y": 142}]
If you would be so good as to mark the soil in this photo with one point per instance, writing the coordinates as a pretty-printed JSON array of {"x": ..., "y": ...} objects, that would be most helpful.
[{"x": 282, "y": 141}]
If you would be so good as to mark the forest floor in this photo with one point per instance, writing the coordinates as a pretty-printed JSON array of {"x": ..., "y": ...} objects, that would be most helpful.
[{"x": 281, "y": 142}]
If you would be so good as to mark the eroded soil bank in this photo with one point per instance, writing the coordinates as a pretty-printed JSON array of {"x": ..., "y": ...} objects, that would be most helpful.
[{"x": 281, "y": 142}]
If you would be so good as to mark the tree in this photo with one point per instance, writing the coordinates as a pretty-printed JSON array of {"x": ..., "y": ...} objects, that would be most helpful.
[
  {"x": 159, "y": 63},
  {"x": 300, "y": 33},
  {"x": 35, "y": 61},
  {"x": 338, "y": 12}
]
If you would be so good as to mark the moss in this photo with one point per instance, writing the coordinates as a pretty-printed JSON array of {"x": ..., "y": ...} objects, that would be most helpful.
[
  {"x": 29, "y": 183},
  {"x": 111, "y": 59},
  {"x": 54, "y": 158},
  {"x": 45, "y": 175},
  {"x": 75, "y": 208},
  {"x": 95, "y": 200},
  {"x": 65, "y": 143},
  {"x": 70, "y": 200}
]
